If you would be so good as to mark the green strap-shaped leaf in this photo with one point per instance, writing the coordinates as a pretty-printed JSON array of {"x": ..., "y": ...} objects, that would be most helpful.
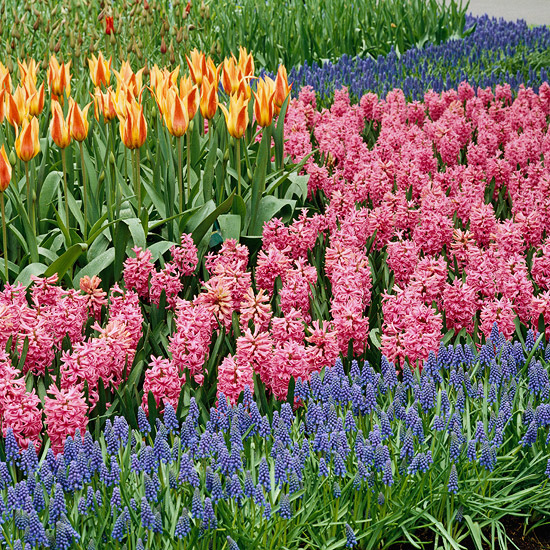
[
  {"x": 200, "y": 231},
  {"x": 66, "y": 260}
]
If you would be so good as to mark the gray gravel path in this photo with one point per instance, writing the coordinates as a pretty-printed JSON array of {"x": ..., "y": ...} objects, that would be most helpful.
[{"x": 534, "y": 12}]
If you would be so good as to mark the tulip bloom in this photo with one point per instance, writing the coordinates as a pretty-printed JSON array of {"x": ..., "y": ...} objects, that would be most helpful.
[
  {"x": 246, "y": 62},
  {"x": 132, "y": 81},
  {"x": 231, "y": 76},
  {"x": 5, "y": 78},
  {"x": 209, "y": 99},
  {"x": 27, "y": 143},
  {"x": 109, "y": 25},
  {"x": 35, "y": 99},
  {"x": 5, "y": 170},
  {"x": 190, "y": 94},
  {"x": 59, "y": 127},
  {"x": 27, "y": 71},
  {"x": 133, "y": 127},
  {"x": 175, "y": 114},
  {"x": 263, "y": 104},
  {"x": 5, "y": 177},
  {"x": 104, "y": 103},
  {"x": 197, "y": 66},
  {"x": 282, "y": 89},
  {"x": 2, "y": 104},
  {"x": 78, "y": 120},
  {"x": 59, "y": 79},
  {"x": 100, "y": 70},
  {"x": 17, "y": 107},
  {"x": 237, "y": 116}
]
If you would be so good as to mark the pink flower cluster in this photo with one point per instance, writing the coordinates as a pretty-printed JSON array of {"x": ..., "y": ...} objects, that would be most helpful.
[
  {"x": 33, "y": 326},
  {"x": 457, "y": 191}
]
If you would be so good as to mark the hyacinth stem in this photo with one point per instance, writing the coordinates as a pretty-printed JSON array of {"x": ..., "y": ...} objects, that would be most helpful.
[
  {"x": 84, "y": 189},
  {"x": 238, "y": 156},
  {"x": 180, "y": 170},
  {"x": 65, "y": 189},
  {"x": 4, "y": 234}
]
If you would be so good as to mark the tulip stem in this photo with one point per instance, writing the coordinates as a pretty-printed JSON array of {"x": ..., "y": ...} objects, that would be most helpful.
[
  {"x": 30, "y": 202},
  {"x": 84, "y": 190},
  {"x": 180, "y": 171},
  {"x": 65, "y": 190},
  {"x": 137, "y": 182},
  {"x": 4, "y": 234},
  {"x": 238, "y": 155},
  {"x": 188, "y": 166}
]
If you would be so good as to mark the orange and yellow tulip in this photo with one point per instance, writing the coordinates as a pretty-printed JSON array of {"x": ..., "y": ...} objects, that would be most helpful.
[
  {"x": 282, "y": 89},
  {"x": 263, "y": 103},
  {"x": 190, "y": 94},
  {"x": 27, "y": 71},
  {"x": 5, "y": 78},
  {"x": 246, "y": 62},
  {"x": 175, "y": 114},
  {"x": 59, "y": 127},
  {"x": 100, "y": 70},
  {"x": 133, "y": 127},
  {"x": 231, "y": 76},
  {"x": 213, "y": 72},
  {"x": 104, "y": 103},
  {"x": 5, "y": 170},
  {"x": 197, "y": 66},
  {"x": 59, "y": 79},
  {"x": 27, "y": 143},
  {"x": 77, "y": 120},
  {"x": 209, "y": 99},
  {"x": 236, "y": 117},
  {"x": 2, "y": 104},
  {"x": 132, "y": 81},
  {"x": 35, "y": 98},
  {"x": 17, "y": 107}
]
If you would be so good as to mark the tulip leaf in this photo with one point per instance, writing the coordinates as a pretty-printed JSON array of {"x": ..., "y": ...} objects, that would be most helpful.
[
  {"x": 66, "y": 260},
  {"x": 269, "y": 207},
  {"x": 258, "y": 181},
  {"x": 230, "y": 226},
  {"x": 96, "y": 266},
  {"x": 35, "y": 268},
  {"x": 47, "y": 192},
  {"x": 200, "y": 231}
]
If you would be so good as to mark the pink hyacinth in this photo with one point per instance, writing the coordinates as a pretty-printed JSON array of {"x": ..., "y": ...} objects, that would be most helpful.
[
  {"x": 185, "y": 256},
  {"x": 96, "y": 297},
  {"x": 233, "y": 377},
  {"x": 21, "y": 413},
  {"x": 167, "y": 280},
  {"x": 137, "y": 272},
  {"x": 163, "y": 380},
  {"x": 501, "y": 312},
  {"x": 66, "y": 411}
]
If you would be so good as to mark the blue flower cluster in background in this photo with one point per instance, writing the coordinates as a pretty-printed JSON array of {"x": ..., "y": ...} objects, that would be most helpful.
[
  {"x": 369, "y": 455},
  {"x": 496, "y": 52}
]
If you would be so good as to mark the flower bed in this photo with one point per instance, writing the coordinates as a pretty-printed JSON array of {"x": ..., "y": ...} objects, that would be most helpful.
[{"x": 365, "y": 459}]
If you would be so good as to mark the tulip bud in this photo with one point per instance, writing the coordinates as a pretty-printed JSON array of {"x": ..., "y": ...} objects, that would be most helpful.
[
  {"x": 179, "y": 35},
  {"x": 57, "y": 46},
  {"x": 112, "y": 159},
  {"x": 163, "y": 47}
]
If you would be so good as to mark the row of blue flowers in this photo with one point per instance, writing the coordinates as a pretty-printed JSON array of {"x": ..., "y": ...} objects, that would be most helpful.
[
  {"x": 362, "y": 459},
  {"x": 495, "y": 52}
]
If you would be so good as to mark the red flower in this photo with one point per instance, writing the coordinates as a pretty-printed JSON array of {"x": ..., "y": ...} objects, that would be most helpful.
[
  {"x": 188, "y": 7},
  {"x": 109, "y": 25}
]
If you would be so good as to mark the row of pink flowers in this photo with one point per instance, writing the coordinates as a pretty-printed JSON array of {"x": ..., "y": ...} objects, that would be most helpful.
[{"x": 455, "y": 191}]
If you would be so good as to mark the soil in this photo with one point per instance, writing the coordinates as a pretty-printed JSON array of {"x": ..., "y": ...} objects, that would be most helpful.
[{"x": 538, "y": 539}]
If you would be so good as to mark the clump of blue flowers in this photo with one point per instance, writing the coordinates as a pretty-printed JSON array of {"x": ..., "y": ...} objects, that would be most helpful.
[{"x": 360, "y": 453}]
